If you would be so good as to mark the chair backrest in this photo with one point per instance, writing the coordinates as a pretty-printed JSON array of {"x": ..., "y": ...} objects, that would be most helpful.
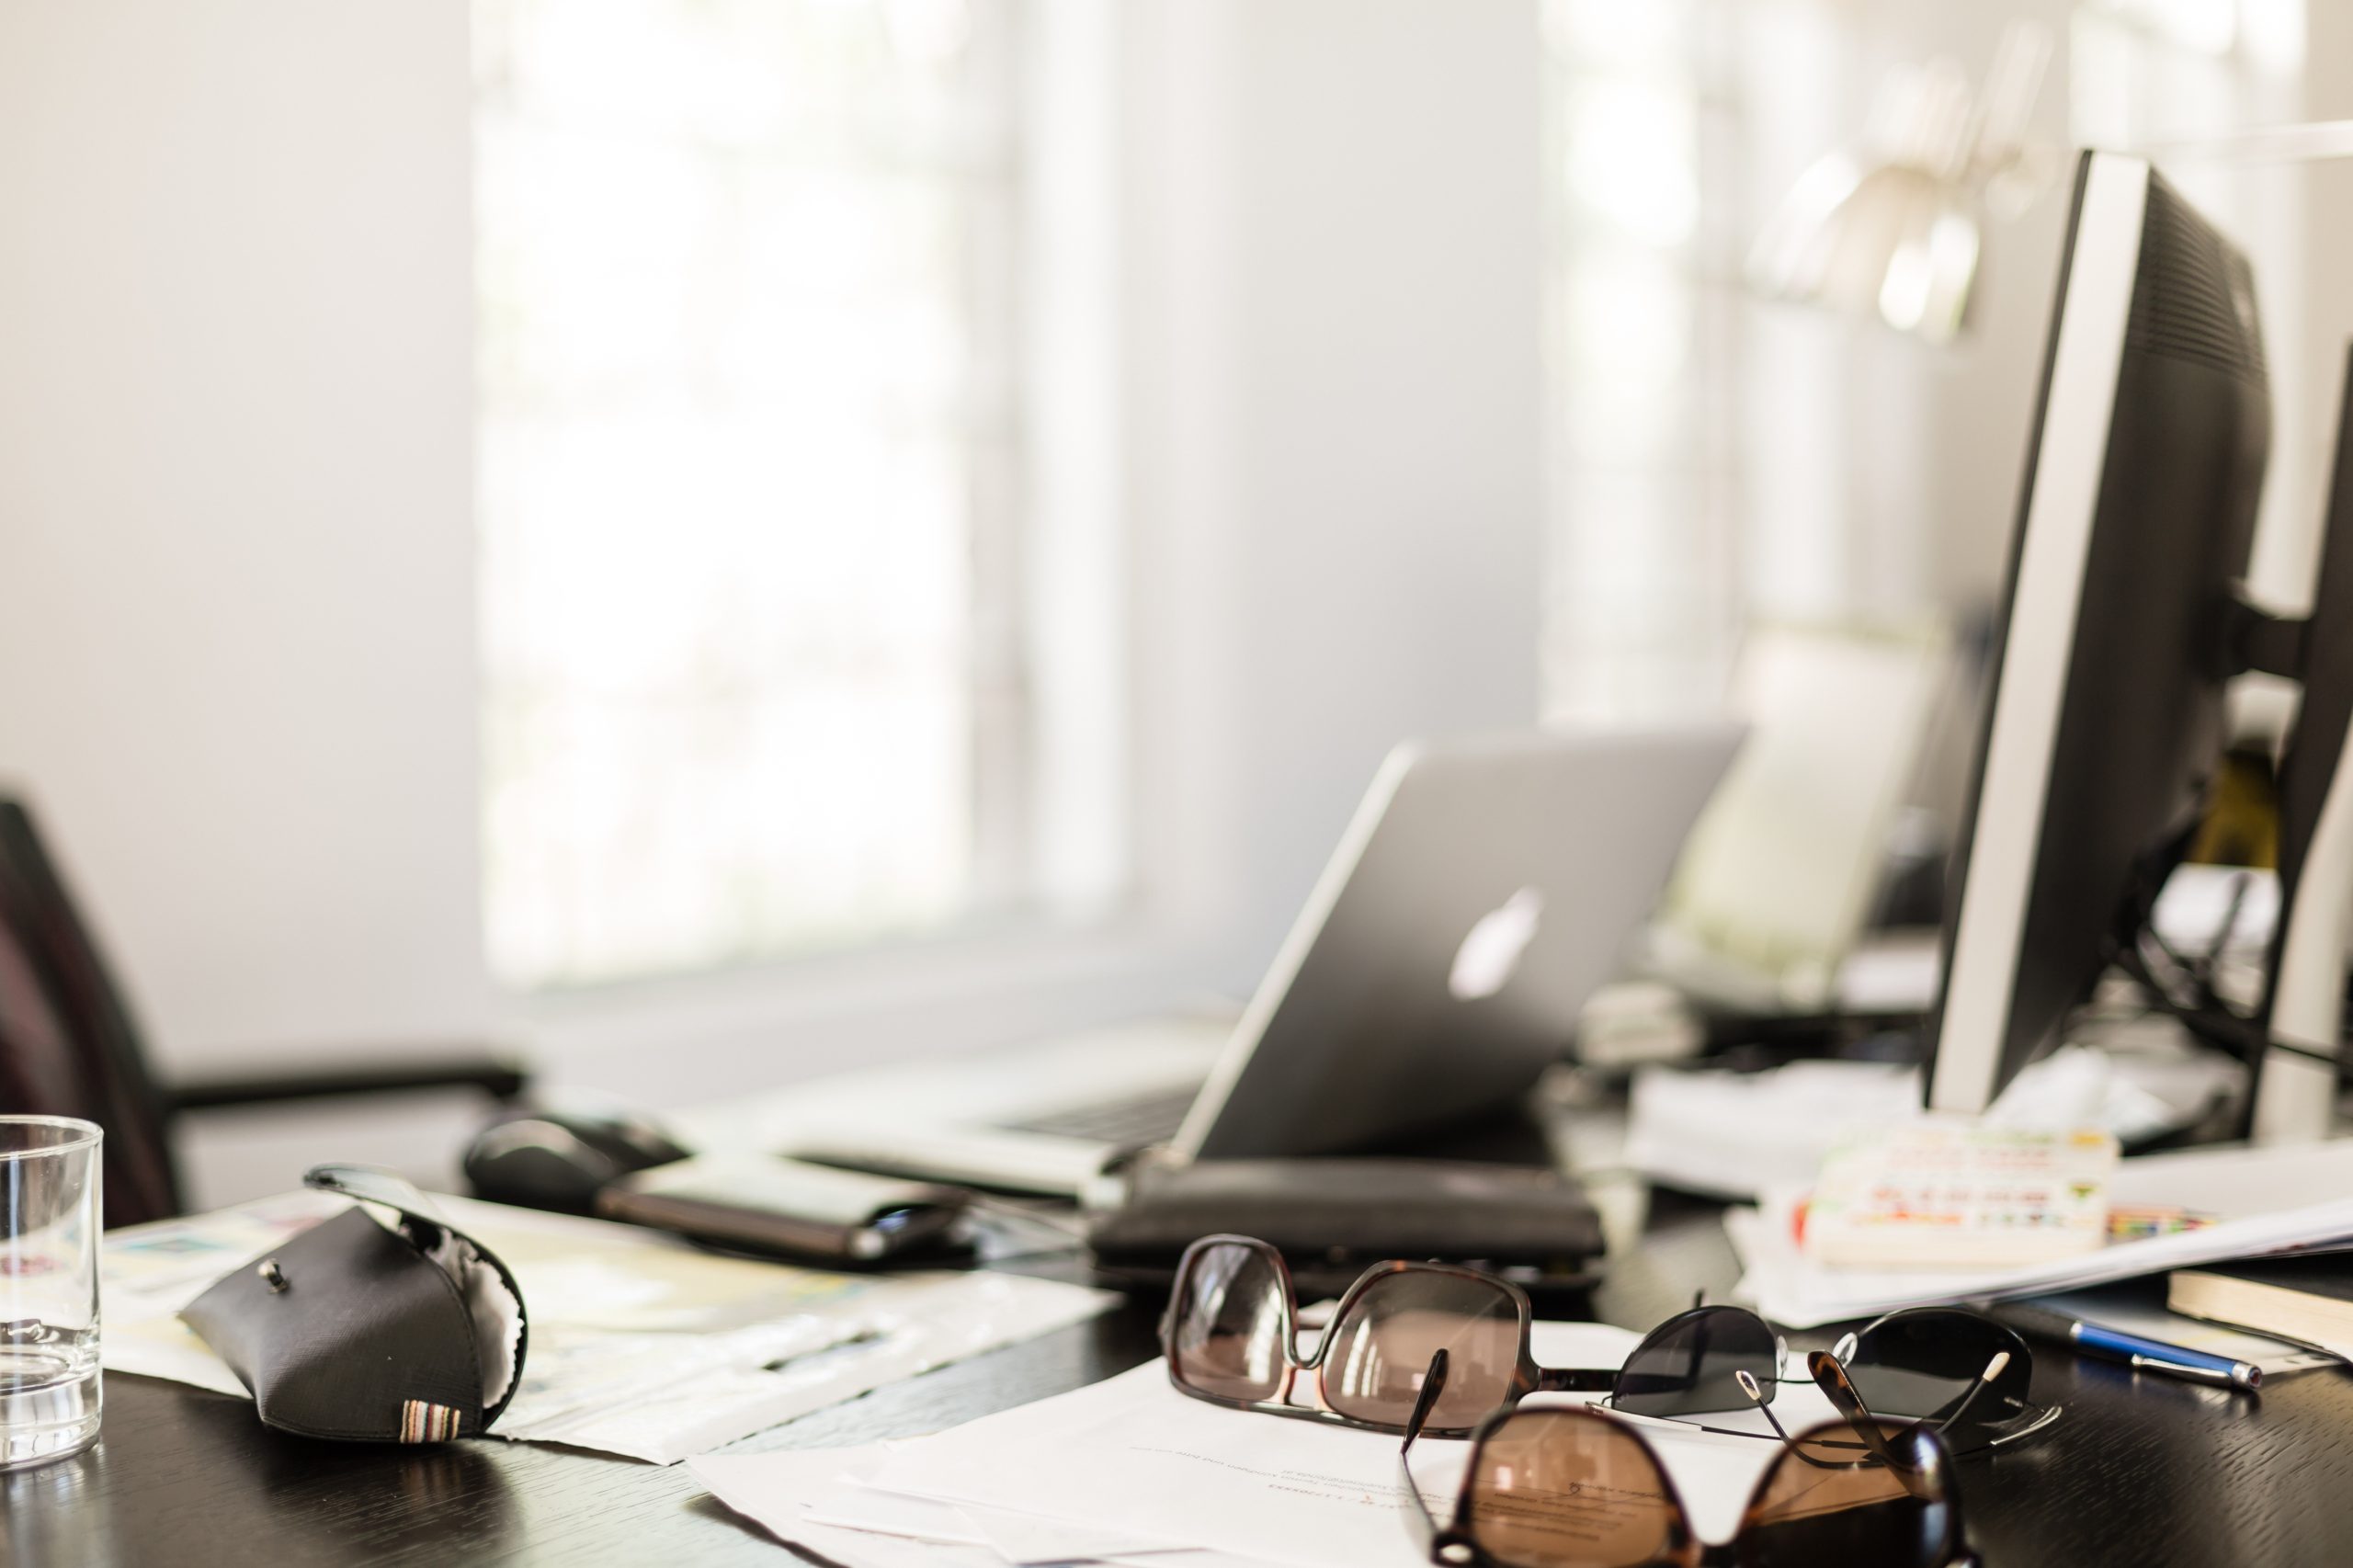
[{"x": 68, "y": 1045}]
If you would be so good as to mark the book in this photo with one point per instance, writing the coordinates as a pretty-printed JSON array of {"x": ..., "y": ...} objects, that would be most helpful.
[
  {"x": 2227, "y": 1202},
  {"x": 2307, "y": 1298},
  {"x": 1938, "y": 1195}
]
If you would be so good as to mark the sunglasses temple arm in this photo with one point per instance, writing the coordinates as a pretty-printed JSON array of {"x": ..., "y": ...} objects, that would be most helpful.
[
  {"x": 1419, "y": 1521},
  {"x": 1749, "y": 1387},
  {"x": 1433, "y": 1385},
  {"x": 1418, "y": 1517},
  {"x": 1575, "y": 1380},
  {"x": 1863, "y": 1428},
  {"x": 1993, "y": 1370},
  {"x": 1830, "y": 1377},
  {"x": 1756, "y": 1392}
]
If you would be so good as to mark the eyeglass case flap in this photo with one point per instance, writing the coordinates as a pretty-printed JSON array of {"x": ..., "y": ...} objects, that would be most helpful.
[{"x": 358, "y": 1330}]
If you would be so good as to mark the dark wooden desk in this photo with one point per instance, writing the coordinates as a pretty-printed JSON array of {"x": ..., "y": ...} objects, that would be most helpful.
[{"x": 2141, "y": 1470}]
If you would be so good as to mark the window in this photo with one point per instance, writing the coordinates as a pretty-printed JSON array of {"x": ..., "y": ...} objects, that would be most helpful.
[
  {"x": 2179, "y": 74},
  {"x": 1644, "y": 591},
  {"x": 754, "y": 617}
]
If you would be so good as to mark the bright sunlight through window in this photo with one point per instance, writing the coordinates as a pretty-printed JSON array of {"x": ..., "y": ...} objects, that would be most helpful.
[{"x": 751, "y": 565}]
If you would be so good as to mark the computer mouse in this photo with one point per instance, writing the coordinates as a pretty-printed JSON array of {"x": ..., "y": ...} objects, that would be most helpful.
[{"x": 545, "y": 1159}]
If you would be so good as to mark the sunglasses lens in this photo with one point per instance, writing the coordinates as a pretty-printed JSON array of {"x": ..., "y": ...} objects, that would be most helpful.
[
  {"x": 1921, "y": 1364},
  {"x": 1693, "y": 1364},
  {"x": 1569, "y": 1489},
  {"x": 1226, "y": 1329},
  {"x": 1382, "y": 1341},
  {"x": 1831, "y": 1501}
]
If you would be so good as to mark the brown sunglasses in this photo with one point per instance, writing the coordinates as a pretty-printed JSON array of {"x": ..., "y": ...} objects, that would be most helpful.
[
  {"x": 1577, "y": 1487},
  {"x": 1231, "y": 1337}
]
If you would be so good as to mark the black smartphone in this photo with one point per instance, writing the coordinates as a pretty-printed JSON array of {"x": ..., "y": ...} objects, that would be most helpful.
[{"x": 789, "y": 1209}]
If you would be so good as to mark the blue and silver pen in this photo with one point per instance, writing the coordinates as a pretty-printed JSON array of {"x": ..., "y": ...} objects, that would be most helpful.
[{"x": 2142, "y": 1355}]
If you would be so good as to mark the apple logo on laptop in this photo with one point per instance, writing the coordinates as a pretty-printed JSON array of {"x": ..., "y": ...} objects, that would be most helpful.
[{"x": 1483, "y": 964}]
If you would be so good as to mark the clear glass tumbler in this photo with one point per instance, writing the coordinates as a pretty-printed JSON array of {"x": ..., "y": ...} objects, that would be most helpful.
[{"x": 48, "y": 1288}]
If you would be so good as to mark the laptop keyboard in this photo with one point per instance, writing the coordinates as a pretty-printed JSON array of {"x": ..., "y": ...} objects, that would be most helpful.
[{"x": 1135, "y": 1123}]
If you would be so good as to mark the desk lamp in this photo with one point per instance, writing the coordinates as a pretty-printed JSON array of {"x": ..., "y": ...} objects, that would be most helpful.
[{"x": 1897, "y": 234}]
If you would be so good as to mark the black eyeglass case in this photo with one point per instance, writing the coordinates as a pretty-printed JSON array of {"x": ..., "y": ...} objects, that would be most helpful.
[
  {"x": 406, "y": 1332},
  {"x": 1330, "y": 1218}
]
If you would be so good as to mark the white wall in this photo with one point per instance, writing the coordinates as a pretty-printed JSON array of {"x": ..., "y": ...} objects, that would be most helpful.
[
  {"x": 238, "y": 664},
  {"x": 236, "y": 650},
  {"x": 1337, "y": 290}
]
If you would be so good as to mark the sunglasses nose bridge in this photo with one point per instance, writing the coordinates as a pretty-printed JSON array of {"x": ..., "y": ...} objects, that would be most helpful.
[{"x": 1309, "y": 1343}]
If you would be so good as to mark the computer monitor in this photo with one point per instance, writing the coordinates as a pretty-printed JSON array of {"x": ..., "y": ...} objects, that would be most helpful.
[{"x": 2104, "y": 722}]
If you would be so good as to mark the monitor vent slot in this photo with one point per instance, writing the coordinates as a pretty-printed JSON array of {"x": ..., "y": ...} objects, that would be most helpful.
[{"x": 2194, "y": 297}]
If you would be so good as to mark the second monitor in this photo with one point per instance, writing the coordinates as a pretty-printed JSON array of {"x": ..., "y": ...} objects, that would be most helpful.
[{"x": 2106, "y": 718}]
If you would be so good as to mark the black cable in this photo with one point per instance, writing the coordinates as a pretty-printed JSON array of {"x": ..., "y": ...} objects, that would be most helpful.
[
  {"x": 2240, "y": 883},
  {"x": 2236, "y": 1036},
  {"x": 2335, "y": 1059}
]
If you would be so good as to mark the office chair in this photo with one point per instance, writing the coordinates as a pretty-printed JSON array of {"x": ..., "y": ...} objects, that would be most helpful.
[{"x": 69, "y": 1045}]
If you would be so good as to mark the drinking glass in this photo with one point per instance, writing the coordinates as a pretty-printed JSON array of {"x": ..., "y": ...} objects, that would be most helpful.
[{"x": 48, "y": 1288}]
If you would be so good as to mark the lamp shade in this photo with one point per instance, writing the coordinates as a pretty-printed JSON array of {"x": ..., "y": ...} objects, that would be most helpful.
[{"x": 1894, "y": 240}]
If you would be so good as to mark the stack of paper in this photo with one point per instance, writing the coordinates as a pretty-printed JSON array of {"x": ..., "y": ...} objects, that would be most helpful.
[
  {"x": 640, "y": 1344},
  {"x": 1130, "y": 1472},
  {"x": 1738, "y": 1135},
  {"x": 2249, "y": 1202}
]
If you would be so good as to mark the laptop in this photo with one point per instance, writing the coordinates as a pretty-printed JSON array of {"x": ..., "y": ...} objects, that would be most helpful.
[{"x": 1483, "y": 890}]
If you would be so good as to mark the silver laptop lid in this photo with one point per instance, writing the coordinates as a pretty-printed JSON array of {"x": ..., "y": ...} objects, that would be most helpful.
[{"x": 1483, "y": 890}]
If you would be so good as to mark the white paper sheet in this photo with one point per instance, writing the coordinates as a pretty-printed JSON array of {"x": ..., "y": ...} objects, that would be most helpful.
[
  {"x": 1740, "y": 1135},
  {"x": 2265, "y": 1201},
  {"x": 805, "y": 1496},
  {"x": 1019, "y": 1537},
  {"x": 639, "y": 1344},
  {"x": 1135, "y": 1454},
  {"x": 1027, "y": 1538},
  {"x": 768, "y": 1488},
  {"x": 1732, "y": 1134}
]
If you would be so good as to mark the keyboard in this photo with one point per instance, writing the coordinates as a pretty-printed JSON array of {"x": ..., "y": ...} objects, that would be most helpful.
[{"x": 1134, "y": 1122}]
